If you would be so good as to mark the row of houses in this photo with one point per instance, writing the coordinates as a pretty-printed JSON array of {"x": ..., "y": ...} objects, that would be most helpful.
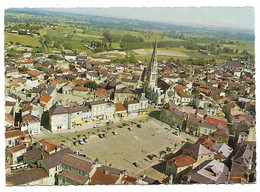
[{"x": 65, "y": 118}]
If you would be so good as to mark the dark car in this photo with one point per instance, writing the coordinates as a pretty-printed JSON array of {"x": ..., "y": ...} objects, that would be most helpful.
[
  {"x": 75, "y": 143},
  {"x": 119, "y": 126},
  {"x": 150, "y": 157},
  {"x": 85, "y": 139},
  {"x": 136, "y": 164},
  {"x": 100, "y": 135},
  {"x": 139, "y": 126},
  {"x": 104, "y": 135}
]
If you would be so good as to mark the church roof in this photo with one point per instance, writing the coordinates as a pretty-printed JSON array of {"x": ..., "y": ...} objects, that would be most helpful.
[{"x": 163, "y": 85}]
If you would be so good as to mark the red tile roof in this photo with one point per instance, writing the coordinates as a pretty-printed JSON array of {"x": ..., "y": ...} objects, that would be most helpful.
[
  {"x": 49, "y": 145},
  {"x": 45, "y": 98},
  {"x": 120, "y": 107},
  {"x": 15, "y": 133},
  {"x": 34, "y": 73},
  {"x": 17, "y": 148},
  {"x": 182, "y": 160},
  {"x": 101, "y": 178}
]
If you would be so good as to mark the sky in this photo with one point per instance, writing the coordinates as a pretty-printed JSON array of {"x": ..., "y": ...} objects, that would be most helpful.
[{"x": 240, "y": 17}]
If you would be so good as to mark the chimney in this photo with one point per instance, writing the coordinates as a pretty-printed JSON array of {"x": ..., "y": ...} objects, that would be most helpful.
[
  {"x": 42, "y": 156},
  {"x": 170, "y": 178},
  {"x": 189, "y": 178}
]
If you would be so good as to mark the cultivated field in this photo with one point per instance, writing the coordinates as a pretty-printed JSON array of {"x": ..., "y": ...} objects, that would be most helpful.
[
  {"x": 22, "y": 39},
  {"x": 161, "y": 52}
]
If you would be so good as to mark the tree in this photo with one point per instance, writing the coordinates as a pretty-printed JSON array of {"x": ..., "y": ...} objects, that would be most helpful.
[
  {"x": 161, "y": 153},
  {"x": 108, "y": 36},
  {"x": 92, "y": 85},
  {"x": 88, "y": 133},
  {"x": 96, "y": 160},
  {"x": 175, "y": 145},
  {"x": 78, "y": 136},
  {"x": 110, "y": 164},
  {"x": 98, "y": 131}
]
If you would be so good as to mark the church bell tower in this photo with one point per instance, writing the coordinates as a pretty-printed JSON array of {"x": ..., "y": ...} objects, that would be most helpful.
[{"x": 152, "y": 73}]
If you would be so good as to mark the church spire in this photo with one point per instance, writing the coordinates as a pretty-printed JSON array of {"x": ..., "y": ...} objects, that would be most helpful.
[
  {"x": 152, "y": 73},
  {"x": 154, "y": 55}
]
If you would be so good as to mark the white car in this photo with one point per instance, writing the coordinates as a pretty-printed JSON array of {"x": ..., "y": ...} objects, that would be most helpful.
[
  {"x": 96, "y": 126},
  {"x": 130, "y": 128},
  {"x": 114, "y": 132}
]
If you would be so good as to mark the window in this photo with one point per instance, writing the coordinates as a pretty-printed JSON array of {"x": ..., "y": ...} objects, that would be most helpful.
[{"x": 205, "y": 130}]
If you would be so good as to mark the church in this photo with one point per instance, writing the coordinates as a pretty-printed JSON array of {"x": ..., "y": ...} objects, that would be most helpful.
[{"x": 157, "y": 90}]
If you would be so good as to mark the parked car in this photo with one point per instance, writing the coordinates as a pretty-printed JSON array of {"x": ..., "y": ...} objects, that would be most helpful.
[
  {"x": 177, "y": 133},
  {"x": 100, "y": 135},
  {"x": 139, "y": 126},
  {"x": 114, "y": 132},
  {"x": 109, "y": 122},
  {"x": 81, "y": 142},
  {"x": 136, "y": 164},
  {"x": 75, "y": 143},
  {"x": 150, "y": 157},
  {"x": 42, "y": 128},
  {"x": 85, "y": 139},
  {"x": 96, "y": 126},
  {"x": 130, "y": 129},
  {"x": 119, "y": 126},
  {"x": 104, "y": 135}
]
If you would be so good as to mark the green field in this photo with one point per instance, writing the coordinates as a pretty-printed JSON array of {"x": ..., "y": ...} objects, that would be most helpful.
[
  {"x": 161, "y": 52},
  {"x": 22, "y": 39}
]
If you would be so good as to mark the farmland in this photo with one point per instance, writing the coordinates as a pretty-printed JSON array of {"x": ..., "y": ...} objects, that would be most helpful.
[
  {"x": 22, "y": 39},
  {"x": 100, "y": 37},
  {"x": 161, "y": 52}
]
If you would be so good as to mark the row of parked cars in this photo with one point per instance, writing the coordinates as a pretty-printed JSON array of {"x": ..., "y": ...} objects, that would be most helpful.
[
  {"x": 19, "y": 166},
  {"x": 80, "y": 141}
]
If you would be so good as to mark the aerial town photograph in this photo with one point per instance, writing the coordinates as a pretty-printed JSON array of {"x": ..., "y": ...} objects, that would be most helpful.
[{"x": 129, "y": 96}]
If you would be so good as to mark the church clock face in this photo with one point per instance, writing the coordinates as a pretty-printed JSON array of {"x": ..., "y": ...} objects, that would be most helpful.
[{"x": 170, "y": 93}]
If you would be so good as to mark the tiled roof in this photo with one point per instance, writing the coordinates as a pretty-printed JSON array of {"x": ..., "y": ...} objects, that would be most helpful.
[
  {"x": 17, "y": 148},
  {"x": 35, "y": 154},
  {"x": 79, "y": 88},
  {"x": 49, "y": 145},
  {"x": 182, "y": 160},
  {"x": 26, "y": 176},
  {"x": 33, "y": 73},
  {"x": 81, "y": 179},
  {"x": 120, "y": 107},
  {"x": 15, "y": 133},
  {"x": 45, "y": 98},
  {"x": 78, "y": 162},
  {"x": 198, "y": 150},
  {"x": 102, "y": 178},
  {"x": 9, "y": 118},
  {"x": 54, "y": 159}
]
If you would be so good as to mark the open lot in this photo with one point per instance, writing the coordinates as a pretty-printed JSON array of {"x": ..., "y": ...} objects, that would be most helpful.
[{"x": 127, "y": 147}]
